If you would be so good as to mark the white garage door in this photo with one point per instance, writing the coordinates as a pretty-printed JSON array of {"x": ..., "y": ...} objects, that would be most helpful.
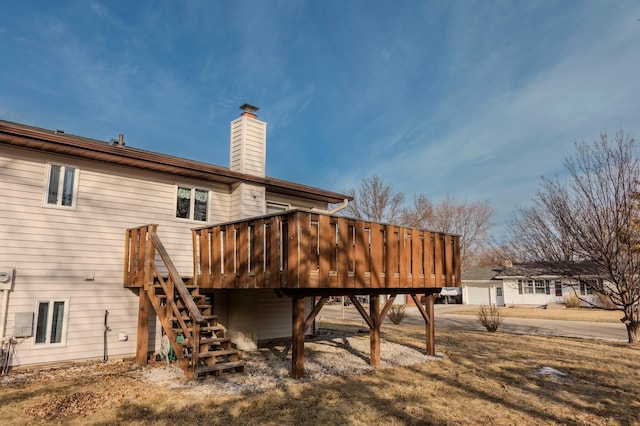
[{"x": 477, "y": 295}]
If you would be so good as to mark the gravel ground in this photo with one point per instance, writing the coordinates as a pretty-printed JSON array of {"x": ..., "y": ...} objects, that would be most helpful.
[{"x": 328, "y": 354}]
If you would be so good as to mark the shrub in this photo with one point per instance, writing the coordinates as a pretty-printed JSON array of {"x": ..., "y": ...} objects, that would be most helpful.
[
  {"x": 571, "y": 301},
  {"x": 397, "y": 314},
  {"x": 604, "y": 302},
  {"x": 489, "y": 317}
]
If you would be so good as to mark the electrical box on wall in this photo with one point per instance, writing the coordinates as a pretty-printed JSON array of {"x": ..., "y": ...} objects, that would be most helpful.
[
  {"x": 6, "y": 278},
  {"x": 23, "y": 324}
]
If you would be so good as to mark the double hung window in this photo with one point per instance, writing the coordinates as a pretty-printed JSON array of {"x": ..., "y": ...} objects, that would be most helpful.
[
  {"x": 51, "y": 317},
  {"x": 61, "y": 185},
  {"x": 192, "y": 203}
]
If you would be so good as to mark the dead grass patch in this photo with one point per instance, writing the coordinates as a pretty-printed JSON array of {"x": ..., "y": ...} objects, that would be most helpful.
[
  {"x": 492, "y": 379},
  {"x": 577, "y": 314}
]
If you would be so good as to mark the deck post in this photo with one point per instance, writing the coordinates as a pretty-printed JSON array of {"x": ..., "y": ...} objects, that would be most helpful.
[
  {"x": 374, "y": 331},
  {"x": 430, "y": 326},
  {"x": 297, "y": 347},
  {"x": 142, "y": 338}
]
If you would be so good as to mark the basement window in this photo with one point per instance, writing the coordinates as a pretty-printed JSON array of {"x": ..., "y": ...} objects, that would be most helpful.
[
  {"x": 192, "y": 203},
  {"x": 61, "y": 186},
  {"x": 51, "y": 322}
]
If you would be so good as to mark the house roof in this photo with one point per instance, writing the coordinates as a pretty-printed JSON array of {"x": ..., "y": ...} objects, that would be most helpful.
[
  {"x": 548, "y": 269},
  {"x": 35, "y": 138},
  {"x": 480, "y": 274}
]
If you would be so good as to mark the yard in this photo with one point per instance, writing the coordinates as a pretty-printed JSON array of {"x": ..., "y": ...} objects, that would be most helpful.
[
  {"x": 577, "y": 314},
  {"x": 480, "y": 378}
]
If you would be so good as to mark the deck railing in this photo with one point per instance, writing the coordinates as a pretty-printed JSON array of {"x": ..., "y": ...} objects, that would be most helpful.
[{"x": 306, "y": 249}]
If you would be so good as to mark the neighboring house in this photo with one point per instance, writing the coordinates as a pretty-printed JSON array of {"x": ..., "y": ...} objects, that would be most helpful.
[
  {"x": 83, "y": 276},
  {"x": 529, "y": 284},
  {"x": 481, "y": 287}
]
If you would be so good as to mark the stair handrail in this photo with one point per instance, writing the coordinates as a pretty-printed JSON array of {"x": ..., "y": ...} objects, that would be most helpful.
[{"x": 195, "y": 313}]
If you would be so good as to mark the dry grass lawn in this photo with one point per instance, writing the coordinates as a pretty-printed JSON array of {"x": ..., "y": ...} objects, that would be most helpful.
[
  {"x": 578, "y": 314},
  {"x": 485, "y": 379}
]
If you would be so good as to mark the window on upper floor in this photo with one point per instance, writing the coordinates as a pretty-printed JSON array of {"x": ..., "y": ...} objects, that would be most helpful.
[
  {"x": 51, "y": 322},
  {"x": 61, "y": 187},
  {"x": 192, "y": 203}
]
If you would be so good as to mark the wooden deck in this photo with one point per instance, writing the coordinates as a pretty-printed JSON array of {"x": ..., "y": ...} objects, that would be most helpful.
[
  {"x": 300, "y": 254},
  {"x": 307, "y": 250}
]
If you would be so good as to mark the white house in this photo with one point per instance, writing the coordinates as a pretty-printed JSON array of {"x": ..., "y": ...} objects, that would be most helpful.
[
  {"x": 66, "y": 203},
  {"x": 528, "y": 284},
  {"x": 481, "y": 287}
]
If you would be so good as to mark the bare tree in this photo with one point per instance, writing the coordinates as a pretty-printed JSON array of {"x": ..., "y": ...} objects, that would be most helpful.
[
  {"x": 534, "y": 234},
  {"x": 420, "y": 214},
  {"x": 491, "y": 256},
  {"x": 590, "y": 216},
  {"x": 375, "y": 201},
  {"x": 469, "y": 219}
]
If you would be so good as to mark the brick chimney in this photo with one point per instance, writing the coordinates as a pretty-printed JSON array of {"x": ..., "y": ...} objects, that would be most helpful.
[{"x": 248, "y": 143}]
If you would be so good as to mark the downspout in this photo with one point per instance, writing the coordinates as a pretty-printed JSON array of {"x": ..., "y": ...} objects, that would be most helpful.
[
  {"x": 342, "y": 206},
  {"x": 3, "y": 316},
  {"x": 106, "y": 330}
]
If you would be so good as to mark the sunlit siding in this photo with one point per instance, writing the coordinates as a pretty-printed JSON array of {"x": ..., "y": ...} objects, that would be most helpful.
[
  {"x": 248, "y": 146},
  {"x": 77, "y": 254},
  {"x": 295, "y": 202}
]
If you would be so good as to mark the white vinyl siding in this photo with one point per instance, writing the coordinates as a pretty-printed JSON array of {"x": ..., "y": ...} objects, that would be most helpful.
[
  {"x": 294, "y": 202},
  {"x": 57, "y": 251},
  {"x": 247, "y": 201},
  {"x": 248, "y": 146}
]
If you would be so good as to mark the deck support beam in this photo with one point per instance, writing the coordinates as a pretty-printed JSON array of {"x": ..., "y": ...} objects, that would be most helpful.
[
  {"x": 142, "y": 338},
  {"x": 374, "y": 331},
  {"x": 297, "y": 344},
  {"x": 427, "y": 315}
]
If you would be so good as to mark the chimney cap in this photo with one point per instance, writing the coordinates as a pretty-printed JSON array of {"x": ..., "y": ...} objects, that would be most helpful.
[{"x": 249, "y": 108}]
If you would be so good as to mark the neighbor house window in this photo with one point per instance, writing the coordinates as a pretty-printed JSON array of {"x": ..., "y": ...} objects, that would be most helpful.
[
  {"x": 192, "y": 203},
  {"x": 558, "y": 289},
  {"x": 499, "y": 291},
  {"x": 533, "y": 287},
  {"x": 585, "y": 288},
  {"x": 61, "y": 186},
  {"x": 50, "y": 321}
]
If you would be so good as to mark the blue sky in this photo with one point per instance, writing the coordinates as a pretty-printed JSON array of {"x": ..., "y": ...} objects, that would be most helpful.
[{"x": 475, "y": 100}]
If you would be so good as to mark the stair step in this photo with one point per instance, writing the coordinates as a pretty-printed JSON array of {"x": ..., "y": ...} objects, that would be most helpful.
[
  {"x": 209, "y": 354},
  {"x": 206, "y": 318},
  {"x": 202, "y": 329},
  {"x": 237, "y": 365},
  {"x": 208, "y": 340}
]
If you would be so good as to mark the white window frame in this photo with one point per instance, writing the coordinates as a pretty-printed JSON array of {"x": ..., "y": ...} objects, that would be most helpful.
[
  {"x": 279, "y": 207},
  {"x": 47, "y": 180},
  {"x": 192, "y": 203},
  {"x": 586, "y": 289},
  {"x": 49, "y": 324}
]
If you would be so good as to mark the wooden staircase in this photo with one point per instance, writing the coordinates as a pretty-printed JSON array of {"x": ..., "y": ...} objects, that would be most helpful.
[
  {"x": 201, "y": 347},
  {"x": 187, "y": 318}
]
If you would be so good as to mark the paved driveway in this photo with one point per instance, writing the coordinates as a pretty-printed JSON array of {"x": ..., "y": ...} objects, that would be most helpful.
[{"x": 446, "y": 317}]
